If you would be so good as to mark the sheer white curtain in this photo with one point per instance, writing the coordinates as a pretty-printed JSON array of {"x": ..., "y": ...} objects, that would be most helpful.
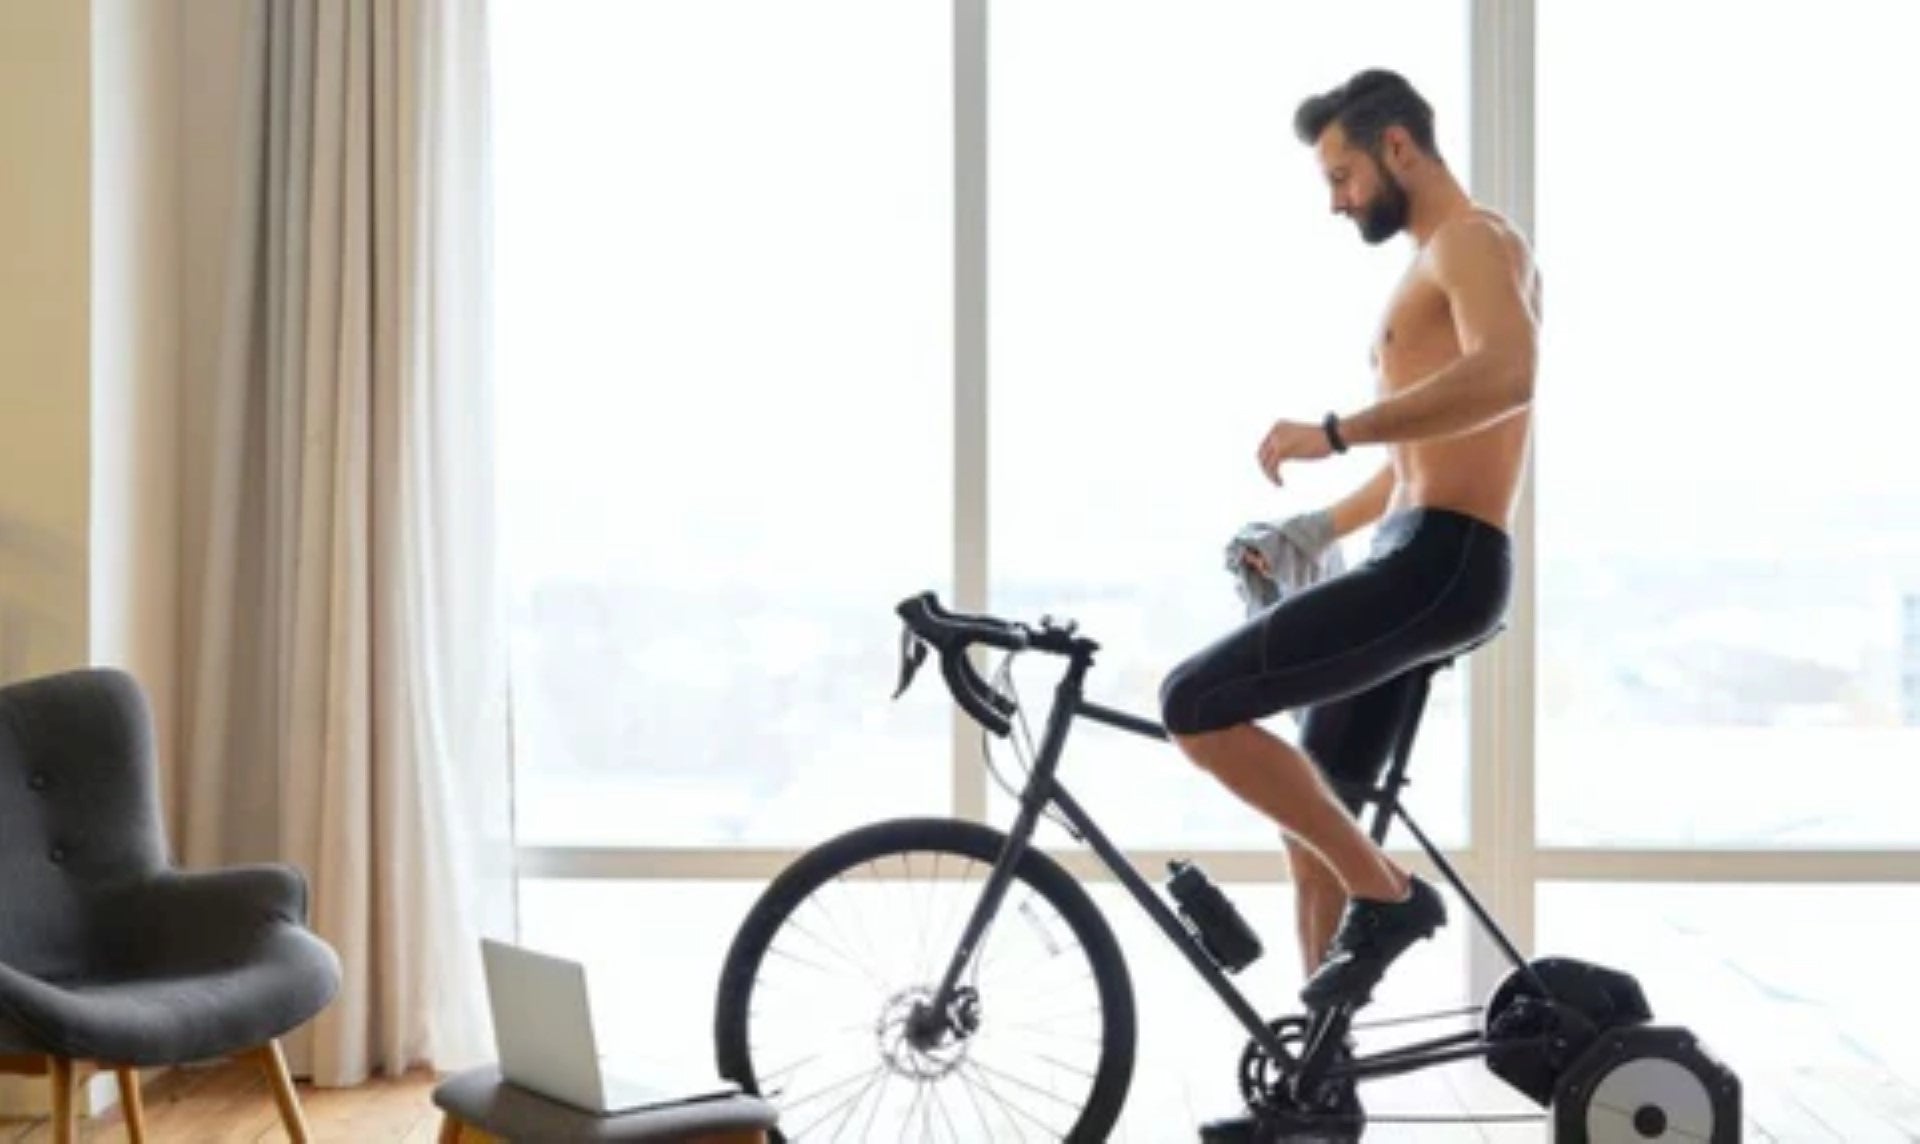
[{"x": 344, "y": 640}]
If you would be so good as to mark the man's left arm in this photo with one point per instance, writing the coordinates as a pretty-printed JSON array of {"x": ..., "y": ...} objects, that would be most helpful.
[{"x": 1492, "y": 377}]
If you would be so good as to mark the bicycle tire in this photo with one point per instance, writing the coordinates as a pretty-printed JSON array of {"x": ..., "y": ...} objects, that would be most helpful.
[{"x": 1040, "y": 874}]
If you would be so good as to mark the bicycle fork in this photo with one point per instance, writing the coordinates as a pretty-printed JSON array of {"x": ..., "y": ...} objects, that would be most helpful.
[{"x": 929, "y": 1025}]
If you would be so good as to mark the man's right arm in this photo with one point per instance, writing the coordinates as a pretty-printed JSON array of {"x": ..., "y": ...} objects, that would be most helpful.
[{"x": 1363, "y": 505}]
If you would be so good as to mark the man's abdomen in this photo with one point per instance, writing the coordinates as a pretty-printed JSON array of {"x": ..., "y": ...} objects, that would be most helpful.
[{"x": 1477, "y": 474}]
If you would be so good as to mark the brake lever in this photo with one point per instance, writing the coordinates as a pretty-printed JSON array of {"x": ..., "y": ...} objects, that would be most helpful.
[
  {"x": 974, "y": 695},
  {"x": 913, "y": 653}
]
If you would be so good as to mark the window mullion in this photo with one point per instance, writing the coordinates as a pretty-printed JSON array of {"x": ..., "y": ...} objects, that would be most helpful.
[
  {"x": 1501, "y": 678},
  {"x": 969, "y": 365}
]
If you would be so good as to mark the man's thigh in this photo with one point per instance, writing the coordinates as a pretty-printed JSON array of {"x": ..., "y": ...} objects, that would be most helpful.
[{"x": 1340, "y": 637}]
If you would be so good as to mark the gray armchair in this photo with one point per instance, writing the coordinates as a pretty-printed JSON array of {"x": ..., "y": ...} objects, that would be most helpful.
[{"x": 110, "y": 958}]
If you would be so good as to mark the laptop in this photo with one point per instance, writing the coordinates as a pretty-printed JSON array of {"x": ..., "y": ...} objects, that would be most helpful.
[{"x": 543, "y": 1028}]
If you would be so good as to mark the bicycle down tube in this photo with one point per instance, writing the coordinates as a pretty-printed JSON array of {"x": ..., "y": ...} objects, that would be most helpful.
[{"x": 1042, "y": 788}]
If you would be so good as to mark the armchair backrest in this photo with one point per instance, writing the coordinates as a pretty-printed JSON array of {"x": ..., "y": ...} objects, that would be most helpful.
[{"x": 79, "y": 810}]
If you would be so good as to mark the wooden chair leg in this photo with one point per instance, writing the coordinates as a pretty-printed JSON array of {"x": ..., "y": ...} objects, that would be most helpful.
[
  {"x": 65, "y": 1130},
  {"x": 130, "y": 1107},
  {"x": 274, "y": 1063},
  {"x": 449, "y": 1129}
]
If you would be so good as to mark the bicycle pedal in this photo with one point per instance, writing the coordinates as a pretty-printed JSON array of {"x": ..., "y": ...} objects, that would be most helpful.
[{"x": 1281, "y": 1127}]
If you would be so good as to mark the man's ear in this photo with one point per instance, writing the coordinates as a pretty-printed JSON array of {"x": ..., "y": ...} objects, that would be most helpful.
[{"x": 1399, "y": 146}]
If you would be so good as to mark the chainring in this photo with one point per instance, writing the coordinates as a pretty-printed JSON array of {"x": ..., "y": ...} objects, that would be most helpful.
[{"x": 1265, "y": 1084}]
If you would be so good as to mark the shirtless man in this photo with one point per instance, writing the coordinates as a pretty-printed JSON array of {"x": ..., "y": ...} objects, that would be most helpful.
[{"x": 1455, "y": 361}]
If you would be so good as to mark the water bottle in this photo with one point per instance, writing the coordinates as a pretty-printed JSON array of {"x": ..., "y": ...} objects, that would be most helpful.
[{"x": 1223, "y": 933}]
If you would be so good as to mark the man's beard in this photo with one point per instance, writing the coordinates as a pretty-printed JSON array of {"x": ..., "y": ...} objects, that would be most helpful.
[{"x": 1386, "y": 215}]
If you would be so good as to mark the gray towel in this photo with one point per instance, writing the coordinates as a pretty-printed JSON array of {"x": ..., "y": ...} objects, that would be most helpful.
[{"x": 1299, "y": 551}]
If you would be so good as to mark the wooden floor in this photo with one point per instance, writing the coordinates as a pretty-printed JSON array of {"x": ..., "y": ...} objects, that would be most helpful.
[{"x": 231, "y": 1104}]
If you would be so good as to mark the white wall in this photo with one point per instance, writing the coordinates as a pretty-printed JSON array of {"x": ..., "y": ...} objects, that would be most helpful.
[
  {"x": 45, "y": 173},
  {"x": 90, "y": 319},
  {"x": 90, "y": 342},
  {"x": 44, "y": 345}
]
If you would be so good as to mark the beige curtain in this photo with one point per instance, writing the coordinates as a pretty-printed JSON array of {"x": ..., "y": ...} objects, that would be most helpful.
[{"x": 345, "y": 685}]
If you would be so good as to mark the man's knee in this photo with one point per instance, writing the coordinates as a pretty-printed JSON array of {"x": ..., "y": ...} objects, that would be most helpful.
[
  {"x": 1180, "y": 694},
  {"x": 1176, "y": 702}
]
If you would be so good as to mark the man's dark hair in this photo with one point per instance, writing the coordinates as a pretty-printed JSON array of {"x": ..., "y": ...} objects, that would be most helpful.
[{"x": 1364, "y": 107}]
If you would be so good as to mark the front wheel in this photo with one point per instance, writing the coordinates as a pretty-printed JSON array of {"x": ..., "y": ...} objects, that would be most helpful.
[{"x": 821, "y": 988}]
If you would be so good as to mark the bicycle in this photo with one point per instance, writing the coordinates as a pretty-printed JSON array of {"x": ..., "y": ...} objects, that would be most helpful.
[{"x": 1574, "y": 1037}]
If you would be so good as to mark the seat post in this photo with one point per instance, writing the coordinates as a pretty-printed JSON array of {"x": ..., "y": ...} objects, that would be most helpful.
[
  {"x": 1388, "y": 804},
  {"x": 1388, "y": 795}
]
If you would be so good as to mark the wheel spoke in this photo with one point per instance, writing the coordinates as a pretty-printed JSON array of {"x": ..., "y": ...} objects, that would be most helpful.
[
  {"x": 944, "y": 1114},
  {"x": 834, "y": 1087},
  {"x": 878, "y": 1102},
  {"x": 976, "y": 1062},
  {"x": 852, "y": 1103},
  {"x": 1002, "y": 1102},
  {"x": 1047, "y": 1030},
  {"x": 794, "y": 1067}
]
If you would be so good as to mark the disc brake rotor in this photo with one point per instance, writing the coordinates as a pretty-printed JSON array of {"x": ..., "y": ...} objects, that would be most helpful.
[{"x": 909, "y": 1056}]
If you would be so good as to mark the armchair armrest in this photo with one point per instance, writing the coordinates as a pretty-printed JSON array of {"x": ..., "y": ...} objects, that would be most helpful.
[{"x": 200, "y": 917}]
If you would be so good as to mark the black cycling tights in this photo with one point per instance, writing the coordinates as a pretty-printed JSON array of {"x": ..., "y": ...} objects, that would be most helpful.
[{"x": 1435, "y": 582}]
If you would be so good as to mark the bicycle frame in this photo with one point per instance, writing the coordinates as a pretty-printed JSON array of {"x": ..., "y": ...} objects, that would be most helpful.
[{"x": 1044, "y": 789}]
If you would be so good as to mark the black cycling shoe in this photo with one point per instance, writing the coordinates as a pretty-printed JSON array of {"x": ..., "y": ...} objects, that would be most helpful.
[
  {"x": 1282, "y": 1128},
  {"x": 1371, "y": 935},
  {"x": 1242, "y": 1129},
  {"x": 1335, "y": 1126}
]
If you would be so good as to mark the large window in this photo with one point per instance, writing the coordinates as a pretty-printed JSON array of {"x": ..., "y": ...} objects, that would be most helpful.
[
  {"x": 1167, "y": 280},
  {"x": 741, "y": 422},
  {"x": 725, "y": 297},
  {"x": 1729, "y": 516},
  {"x": 725, "y": 293}
]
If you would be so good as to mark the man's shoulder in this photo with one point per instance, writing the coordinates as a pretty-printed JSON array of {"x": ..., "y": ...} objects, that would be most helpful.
[{"x": 1478, "y": 236}]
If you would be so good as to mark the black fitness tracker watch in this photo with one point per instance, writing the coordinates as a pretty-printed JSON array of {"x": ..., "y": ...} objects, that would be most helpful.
[{"x": 1331, "y": 423}]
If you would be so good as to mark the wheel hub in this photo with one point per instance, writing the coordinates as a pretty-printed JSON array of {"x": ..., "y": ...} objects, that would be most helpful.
[{"x": 920, "y": 1045}]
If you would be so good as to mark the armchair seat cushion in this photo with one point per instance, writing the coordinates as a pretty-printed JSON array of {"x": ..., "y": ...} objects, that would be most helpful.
[{"x": 166, "y": 1016}]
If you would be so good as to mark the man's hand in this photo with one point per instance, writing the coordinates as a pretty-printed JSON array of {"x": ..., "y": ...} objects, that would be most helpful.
[
  {"x": 1309, "y": 532},
  {"x": 1292, "y": 441}
]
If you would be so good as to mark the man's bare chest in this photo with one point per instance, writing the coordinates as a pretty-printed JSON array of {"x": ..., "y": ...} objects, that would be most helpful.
[{"x": 1415, "y": 334}]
